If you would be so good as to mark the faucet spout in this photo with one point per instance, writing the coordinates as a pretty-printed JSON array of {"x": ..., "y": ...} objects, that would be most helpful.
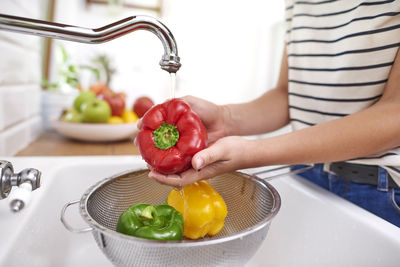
[{"x": 169, "y": 62}]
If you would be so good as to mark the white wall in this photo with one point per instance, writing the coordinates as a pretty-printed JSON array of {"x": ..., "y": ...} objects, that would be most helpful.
[
  {"x": 230, "y": 50},
  {"x": 226, "y": 46},
  {"x": 20, "y": 75}
]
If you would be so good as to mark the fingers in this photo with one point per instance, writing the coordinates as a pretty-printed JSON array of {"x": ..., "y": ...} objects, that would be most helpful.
[
  {"x": 190, "y": 176},
  {"x": 214, "y": 153},
  {"x": 201, "y": 107},
  {"x": 172, "y": 180},
  {"x": 206, "y": 164},
  {"x": 177, "y": 180},
  {"x": 191, "y": 100},
  {"x": 139, "y": 124}
]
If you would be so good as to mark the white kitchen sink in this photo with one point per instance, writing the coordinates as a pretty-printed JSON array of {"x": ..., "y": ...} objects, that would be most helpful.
[{"x": 313, "y": 227}]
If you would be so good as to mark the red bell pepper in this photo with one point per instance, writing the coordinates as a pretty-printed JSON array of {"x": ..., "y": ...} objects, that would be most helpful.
[{"x": 169, "y": 136}]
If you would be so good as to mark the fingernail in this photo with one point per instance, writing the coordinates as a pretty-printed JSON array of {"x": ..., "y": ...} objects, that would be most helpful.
[{"x": 198, "y": 162}]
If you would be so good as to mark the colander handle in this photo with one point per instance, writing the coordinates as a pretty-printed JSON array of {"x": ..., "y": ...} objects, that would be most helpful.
[
  {"x": 66, "y": 225},
  {"x": 282, "y": 174}
]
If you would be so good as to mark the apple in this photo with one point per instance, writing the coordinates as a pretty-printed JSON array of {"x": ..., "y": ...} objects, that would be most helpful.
[
  {"x": 116, "y": 102},
  {"x": 96, "y": 111},
  {"x": 142, "y": 105},
  {"x": 100, "y": 89},
  {"x": 83, "y": 97},
  {"x": 71, "y": 115}
]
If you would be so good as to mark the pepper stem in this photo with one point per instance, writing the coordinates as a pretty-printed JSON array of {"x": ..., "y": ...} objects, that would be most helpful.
[
  {"x": 166, "y": 136},
  {"x": 148, "y": 212}
]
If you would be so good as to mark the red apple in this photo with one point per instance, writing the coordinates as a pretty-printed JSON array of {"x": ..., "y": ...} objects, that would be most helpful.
[
  {"x": 142, "y": 105},
  {"x": 100, "y": 89},
  {"x": 116, "y": 102}
]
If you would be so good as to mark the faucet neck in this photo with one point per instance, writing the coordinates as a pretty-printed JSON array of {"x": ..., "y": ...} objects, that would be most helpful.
[{"x": 170, "y": 61}]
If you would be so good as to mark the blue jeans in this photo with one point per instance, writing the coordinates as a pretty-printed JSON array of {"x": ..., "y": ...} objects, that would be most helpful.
[{"x": 380, "y": 200}]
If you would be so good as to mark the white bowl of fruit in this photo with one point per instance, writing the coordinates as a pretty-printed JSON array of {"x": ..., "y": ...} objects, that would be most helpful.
[{"x": 99, "y": 117}]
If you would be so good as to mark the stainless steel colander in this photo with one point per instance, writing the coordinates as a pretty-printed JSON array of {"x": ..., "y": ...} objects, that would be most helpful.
[{"x": 252, "y": 204}]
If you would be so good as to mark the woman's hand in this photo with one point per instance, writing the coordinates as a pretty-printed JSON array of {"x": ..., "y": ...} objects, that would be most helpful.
[
  {"x": 225, "y": 155},
  {"x": 214, "y": 117}
]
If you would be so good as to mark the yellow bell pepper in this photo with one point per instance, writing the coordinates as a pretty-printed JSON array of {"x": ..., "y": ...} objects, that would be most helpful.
[{"x": 203, "y": 209}]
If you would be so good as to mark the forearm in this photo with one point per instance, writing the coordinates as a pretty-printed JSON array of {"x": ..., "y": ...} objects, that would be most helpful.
[
  {"x": 370, "y": 131},
  {"x": 267, "y": 113}
]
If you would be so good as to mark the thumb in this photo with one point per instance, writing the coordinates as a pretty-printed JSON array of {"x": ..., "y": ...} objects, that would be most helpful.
[{"x": 207, "y": 156}]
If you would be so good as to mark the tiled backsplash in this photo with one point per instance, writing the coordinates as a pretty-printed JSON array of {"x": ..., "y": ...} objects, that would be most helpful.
[
  {"x": 20, "y": 75},
  {"x": 19, "y": 64},
  {"x": 18, "y": 136},
  {"x": 17, "y": 103}
]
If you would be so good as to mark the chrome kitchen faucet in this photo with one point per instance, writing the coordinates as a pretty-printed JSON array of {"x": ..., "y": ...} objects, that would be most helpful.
[
  {"x": 169, "y": 62},
  {"x": 29, "y": 179}
]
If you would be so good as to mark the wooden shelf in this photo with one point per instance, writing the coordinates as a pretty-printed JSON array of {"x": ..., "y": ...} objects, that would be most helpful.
[{"x": 51, "y": 143}]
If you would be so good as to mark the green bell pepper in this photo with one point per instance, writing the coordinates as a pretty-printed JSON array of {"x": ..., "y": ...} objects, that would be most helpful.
[{"x": 160, "y": 222}]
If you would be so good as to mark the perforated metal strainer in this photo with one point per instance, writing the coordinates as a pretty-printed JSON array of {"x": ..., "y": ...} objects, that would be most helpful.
[{"x": 252, "y": 204}]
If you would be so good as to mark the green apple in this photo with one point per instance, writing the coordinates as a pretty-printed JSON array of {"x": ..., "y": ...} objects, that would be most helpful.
[
  {"x": 71, "y": 115},
  {"x": 96, "y": 111},
  {"x": 82, "y": 98}
]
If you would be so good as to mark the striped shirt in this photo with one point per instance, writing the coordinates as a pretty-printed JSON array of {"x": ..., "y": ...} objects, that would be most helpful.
[{"x": 340, "y": 53}]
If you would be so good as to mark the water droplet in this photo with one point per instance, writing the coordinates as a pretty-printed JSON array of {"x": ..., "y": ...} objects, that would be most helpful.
[{"x": 178, "y": 188}]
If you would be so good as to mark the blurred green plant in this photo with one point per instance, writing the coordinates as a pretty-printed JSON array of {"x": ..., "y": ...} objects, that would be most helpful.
[
  {"x": 69, "y": 73},
  {"x": 104, "y": 64}
]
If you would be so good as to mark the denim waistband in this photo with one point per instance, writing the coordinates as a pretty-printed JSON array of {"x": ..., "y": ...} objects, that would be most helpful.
[
  {"x": 382, "y": 179},
  {"x": 370, "y": 197}
]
